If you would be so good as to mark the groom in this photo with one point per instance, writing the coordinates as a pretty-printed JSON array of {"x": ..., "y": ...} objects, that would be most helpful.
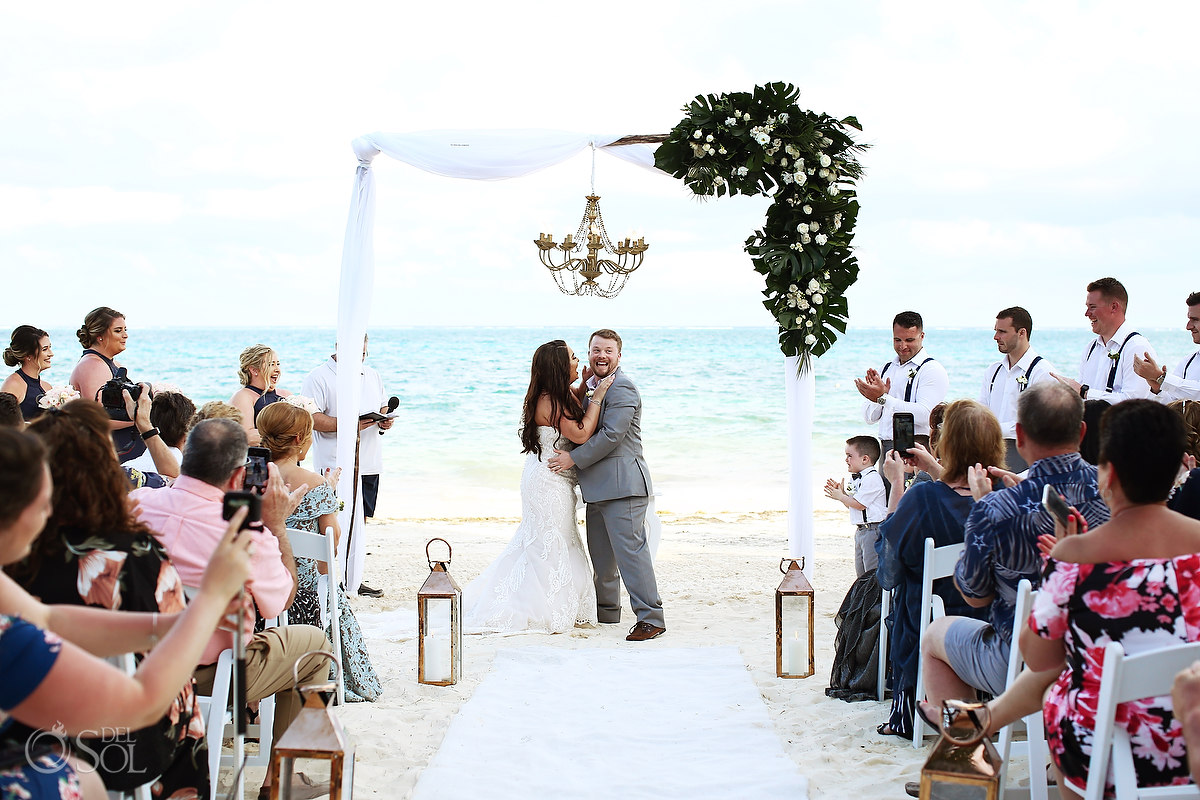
[{"x": 616, "y": 486}]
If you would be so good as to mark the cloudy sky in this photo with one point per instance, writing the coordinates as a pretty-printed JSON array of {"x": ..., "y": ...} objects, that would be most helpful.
[{"x": 190, "y": 163}]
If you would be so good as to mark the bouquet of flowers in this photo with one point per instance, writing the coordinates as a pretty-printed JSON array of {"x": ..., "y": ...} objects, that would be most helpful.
[
  {"x": 57, "y": 398},
  {"x": 762, "y": 142},
  {"x": 300, "y": 401}
]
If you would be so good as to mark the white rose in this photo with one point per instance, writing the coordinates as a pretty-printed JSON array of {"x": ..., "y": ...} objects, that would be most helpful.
[
  {"x": 697, "y": 134},
  {"x": 823, "y": 173},
  {"x": 743, "y": 171},
  {"x": 814, "y": 226},
  {"x": 810, "y": 340},
  {"x": 793, "y": 288},
  {"x": 709, "y": 138},
  {"x": 791, "y": 301},
  {"x": 813, "y": 285},
  {"x": 731, "y": 120},
  {"x": 801, "y": 179},
  {"x": 817, "y": 299},
  {"x": 746, "y": 117},
  {"x": 762, "y": 138},
  {"x": 804, "y": 238},
  {"x": 808, "y": 323},
  {"x": 802, "y": 304},
  {"x": 833, "y": 191},
  {"x": 778, "y": 142},
  {"x": 783, "y": 162},
  {"x": 807, "y": 209},
  {"x": 825, "y": 160},
  {"x": 802, "y": 227},
  {"x": 718, "y": 180},
  {"x": 821, "y": 238},
  {"x": 787, "y": 177}
]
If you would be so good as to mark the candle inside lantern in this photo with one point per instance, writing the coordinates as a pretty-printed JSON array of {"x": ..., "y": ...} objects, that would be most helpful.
[
  {"x": 437, "y": 640},
  {"x": 795, "y": 654}
]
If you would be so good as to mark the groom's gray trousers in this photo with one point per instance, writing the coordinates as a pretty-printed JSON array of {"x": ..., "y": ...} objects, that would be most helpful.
[{"x": 626, "y": 557}]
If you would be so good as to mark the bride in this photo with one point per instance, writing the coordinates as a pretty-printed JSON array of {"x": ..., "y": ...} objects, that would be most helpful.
[{"x": 542, "y": 581}]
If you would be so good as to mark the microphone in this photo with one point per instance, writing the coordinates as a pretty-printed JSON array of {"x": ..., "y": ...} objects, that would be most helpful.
[{"x": 393, "y": 404}]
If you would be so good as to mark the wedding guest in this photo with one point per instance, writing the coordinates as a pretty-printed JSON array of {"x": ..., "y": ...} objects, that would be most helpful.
[
  {"x": 1106, "y": 369},
  {"x": 94, "y": 552},
  {"x": 934, "y": 509},
  {"x": 1089, "y": 445},
  {"x": 1184, "y": 382},
  {"x": 259, "y": 373},
  {"x": 913, "y": 381},
  {"x": 865, "y": 497},
  {"x": 286, "y": 430},
  {"x": 321, "y": 386},
  {"x": 1185, "y": 495},
  {"x": 171, "y": 414},
  {"x": 1185, "y": 701},
  {"x": 104, "y": 336},
  {"x": 215, "y": 409},
  {"x": 1005, "y": 379},
  {"x": 29, "y": 348},
  {"x": 961, "y": 655},
  {"x": 63, "y": 683},
  {"x": 10, "y": 412}
]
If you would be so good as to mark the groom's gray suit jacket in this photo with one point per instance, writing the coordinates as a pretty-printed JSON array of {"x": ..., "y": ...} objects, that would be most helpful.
[{"x": 610, "y": 462}]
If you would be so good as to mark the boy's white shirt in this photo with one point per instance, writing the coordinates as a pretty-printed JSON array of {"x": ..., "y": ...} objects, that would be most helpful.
[{"x": 869, "y": 491}]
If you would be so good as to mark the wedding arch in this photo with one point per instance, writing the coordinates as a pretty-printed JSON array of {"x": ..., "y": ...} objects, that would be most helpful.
[{"x": 756, "y": 142}]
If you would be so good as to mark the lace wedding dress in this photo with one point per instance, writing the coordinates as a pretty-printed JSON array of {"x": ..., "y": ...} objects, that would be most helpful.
[{"x": 542, "y": 581}]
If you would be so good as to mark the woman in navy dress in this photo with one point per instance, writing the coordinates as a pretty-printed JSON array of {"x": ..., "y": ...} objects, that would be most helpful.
[
  {"x": 29, "y": 349},
  {"x": 934, "y": 509},
  {"x": 259, "y": 373},
  {"x": 104, "y": 336}
]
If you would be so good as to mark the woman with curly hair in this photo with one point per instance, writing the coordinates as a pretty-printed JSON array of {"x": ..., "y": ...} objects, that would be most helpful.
[
  {"x": 286, "y": 430},
  {"x": 29, "y": 349},
  {"x": 259, "y": 372},
  {"x": 94, "y": 551}
]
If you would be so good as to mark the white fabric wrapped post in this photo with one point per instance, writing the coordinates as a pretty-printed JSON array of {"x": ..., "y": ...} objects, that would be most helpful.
[{"x": 801, "y": 396}]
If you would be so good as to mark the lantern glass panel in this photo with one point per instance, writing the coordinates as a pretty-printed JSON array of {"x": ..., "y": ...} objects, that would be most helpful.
[
  {"x": 945, "y": 790},
  {"x": 437, "y": 638},
  {"x": 794, "y": 617}
]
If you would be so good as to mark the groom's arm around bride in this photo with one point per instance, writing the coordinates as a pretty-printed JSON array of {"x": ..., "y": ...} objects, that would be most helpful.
[{"x": 615, "y": 483}]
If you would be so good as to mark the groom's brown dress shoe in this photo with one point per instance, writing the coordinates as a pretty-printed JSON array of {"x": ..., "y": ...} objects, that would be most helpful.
[{"x": 643, "y": 632}]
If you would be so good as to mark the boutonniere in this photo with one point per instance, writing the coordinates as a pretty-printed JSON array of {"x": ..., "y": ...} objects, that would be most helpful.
[
  {"x": 850, "y": 489},
  {"x": 590, "y": 392},
  {"x": 912, "y": 373},
  {"x": 1022, "y": 381},
  {"x": 1115, "y": 355}
]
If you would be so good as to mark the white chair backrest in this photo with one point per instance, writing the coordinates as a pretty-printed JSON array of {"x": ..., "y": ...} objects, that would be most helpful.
[
  {"x": 319, "y": 548},
  {"x": 939, "y": 563},
  {"x": 1034, "y": 749},
  {"x": 1127, "y": 678}
]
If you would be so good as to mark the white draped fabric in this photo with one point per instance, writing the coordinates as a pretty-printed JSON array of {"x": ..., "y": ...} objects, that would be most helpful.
[
  {"x": 475, "y": 155},
  {"x": 801, "y": 397}
]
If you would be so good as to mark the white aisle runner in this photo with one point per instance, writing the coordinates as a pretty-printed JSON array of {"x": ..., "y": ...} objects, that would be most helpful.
[{"x": 613, "y": 724}]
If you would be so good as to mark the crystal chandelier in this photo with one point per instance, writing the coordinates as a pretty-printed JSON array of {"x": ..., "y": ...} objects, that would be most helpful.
[{"x": 578, "y": 274}]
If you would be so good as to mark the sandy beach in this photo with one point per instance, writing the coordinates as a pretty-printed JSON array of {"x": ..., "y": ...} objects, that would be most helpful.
[{"x": 717, "y": 575}]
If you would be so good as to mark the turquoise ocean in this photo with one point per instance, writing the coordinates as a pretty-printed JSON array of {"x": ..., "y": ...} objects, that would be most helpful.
[{"x": 714, "y": 417}]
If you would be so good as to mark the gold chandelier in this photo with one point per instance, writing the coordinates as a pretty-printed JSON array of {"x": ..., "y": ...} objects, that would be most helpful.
[{"x": 578, "y": 275}]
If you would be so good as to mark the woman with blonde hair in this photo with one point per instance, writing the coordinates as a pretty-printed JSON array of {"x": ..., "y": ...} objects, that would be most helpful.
[
  {"x": 29, "y": 350},
  {"x": 259, "y": 372},
  {"x": 936, "y": 509},
  {"x": 286, "y": 430}
]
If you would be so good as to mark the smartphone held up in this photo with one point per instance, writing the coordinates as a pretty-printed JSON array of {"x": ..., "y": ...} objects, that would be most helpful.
[
  {"x": 248, "y": 500},
  {"x": 904, "y": 433}
]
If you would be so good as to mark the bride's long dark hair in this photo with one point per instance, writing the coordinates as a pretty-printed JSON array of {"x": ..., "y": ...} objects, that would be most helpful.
[{"x": 549, "y": 375}]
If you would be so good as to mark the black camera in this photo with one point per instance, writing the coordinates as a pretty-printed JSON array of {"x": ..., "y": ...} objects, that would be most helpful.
[
  {"x": 113, "y": 400},
  {"x": 235, "y": 500}
]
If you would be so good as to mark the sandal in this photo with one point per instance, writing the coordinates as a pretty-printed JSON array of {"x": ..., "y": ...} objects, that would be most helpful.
[
  {"x": 933, "y": 722},
  {"x": 886, "y": 729}
]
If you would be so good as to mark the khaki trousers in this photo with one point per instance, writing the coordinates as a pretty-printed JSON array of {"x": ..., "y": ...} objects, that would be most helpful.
[{"x": 269, "y": 659}]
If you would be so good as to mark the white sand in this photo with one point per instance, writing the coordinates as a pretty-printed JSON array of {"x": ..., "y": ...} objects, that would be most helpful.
[{"x": 717, "y": 576}]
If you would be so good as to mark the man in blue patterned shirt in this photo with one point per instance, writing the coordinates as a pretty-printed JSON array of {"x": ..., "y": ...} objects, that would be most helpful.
[{"x": 961, "y": 654}]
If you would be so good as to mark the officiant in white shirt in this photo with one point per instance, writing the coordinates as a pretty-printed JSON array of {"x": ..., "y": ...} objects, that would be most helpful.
[
  {"x": 1184, "y": 382},
  {"x": 1004, "y": 380},
  {"x": 913, "y": 381},
  {"x": 1106, "y": 369}
]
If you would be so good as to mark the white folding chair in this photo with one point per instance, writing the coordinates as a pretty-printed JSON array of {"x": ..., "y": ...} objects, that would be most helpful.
[
  {"x": 128, "y": 664},
  {"x": 885, "y": 606},
  {"x": 319, "y": 548},
  {"x": 1127, "y": 678},
  {"x": 939, "y": 563},
  {"x": 1033, "y": 749},
  {"x": 218, "y": 723}
]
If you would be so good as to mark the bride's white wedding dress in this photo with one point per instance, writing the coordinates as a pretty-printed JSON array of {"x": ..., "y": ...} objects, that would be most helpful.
[{"x": 543, "y": 580}]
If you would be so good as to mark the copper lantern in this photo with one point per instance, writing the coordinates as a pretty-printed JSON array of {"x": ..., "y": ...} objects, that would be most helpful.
[
  {"x": 963, "y": 765},
  {"x": 794, "y": 622},
  {"x": 315, "y": 733},
  {"x": 439, "y": 624}
]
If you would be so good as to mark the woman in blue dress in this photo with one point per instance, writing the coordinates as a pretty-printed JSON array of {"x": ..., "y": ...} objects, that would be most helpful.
[
  {"x": 29, "y": 349},
  {"x": 286, "y": 430},
  {"x": 259, "y": 372},
  {"x": 934, "y": 509}
]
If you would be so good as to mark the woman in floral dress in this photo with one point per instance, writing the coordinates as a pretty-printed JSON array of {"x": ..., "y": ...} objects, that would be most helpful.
[
  {"x": 1133, "y": 580},
  {"x": 94, "y": 552},
  {"x": 286, "y": 430}
]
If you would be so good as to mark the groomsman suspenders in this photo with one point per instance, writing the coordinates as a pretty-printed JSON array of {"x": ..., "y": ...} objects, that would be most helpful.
[
  {"x": 1028, "y": 372},
  {"x": 908, "y": 389},
  {"x": 1188, "y": 365},
  {"x": 1112, "y": 371}
]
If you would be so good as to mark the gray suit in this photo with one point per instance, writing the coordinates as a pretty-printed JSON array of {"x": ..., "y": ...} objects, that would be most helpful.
[{"x": 615, "y": 482}]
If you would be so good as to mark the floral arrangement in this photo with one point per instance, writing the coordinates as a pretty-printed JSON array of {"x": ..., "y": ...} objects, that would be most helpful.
[
  {"x": 762, "y": 142},
  {"x": 300, "y": 401},
  {"x": 57, "y": 398}
]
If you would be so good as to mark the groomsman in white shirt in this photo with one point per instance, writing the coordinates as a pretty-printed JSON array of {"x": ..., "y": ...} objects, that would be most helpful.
[
  {"x": 1184, "y": 382},
  {"x": 913, "y": 381},
  {"x": 1106, "y": 369},
  {"x": 1020, "y": 368}
]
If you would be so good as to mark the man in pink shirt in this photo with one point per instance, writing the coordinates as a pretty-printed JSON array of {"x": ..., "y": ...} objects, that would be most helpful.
[{"x": 186, "y": 518}]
